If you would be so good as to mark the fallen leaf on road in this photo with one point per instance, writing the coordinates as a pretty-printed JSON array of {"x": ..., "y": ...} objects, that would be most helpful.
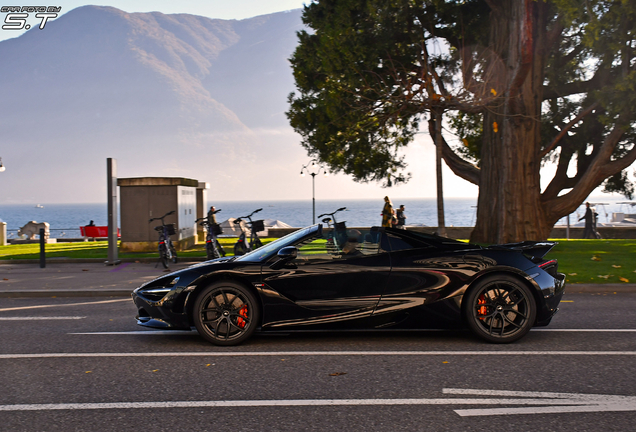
[
  {"x": 88, "y": 372},
  {"x": 337, "y": 373}
]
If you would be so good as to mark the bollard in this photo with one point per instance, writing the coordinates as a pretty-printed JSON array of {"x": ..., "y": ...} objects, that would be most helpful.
[
  {"x": 3, "y": 233},
  {"x": 42, "y": 256}
]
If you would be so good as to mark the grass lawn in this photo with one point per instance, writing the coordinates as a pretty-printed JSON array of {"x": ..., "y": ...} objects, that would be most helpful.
[
  {"x": 583, "y": 261},
  {"x": 596, "y": 261},
  {"x": 99, "y": 250}
]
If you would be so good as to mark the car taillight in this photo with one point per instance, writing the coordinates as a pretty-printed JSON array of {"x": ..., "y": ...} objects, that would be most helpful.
[{"x": 550, "y": 267}]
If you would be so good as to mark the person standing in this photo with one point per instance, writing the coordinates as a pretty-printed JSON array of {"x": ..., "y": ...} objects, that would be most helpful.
[
  {"x": 401, "y": 217},
  {"x": 387, "y": 212}
]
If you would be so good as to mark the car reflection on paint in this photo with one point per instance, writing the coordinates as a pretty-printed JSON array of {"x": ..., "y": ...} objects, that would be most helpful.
[{"x": 381, "y": 278}]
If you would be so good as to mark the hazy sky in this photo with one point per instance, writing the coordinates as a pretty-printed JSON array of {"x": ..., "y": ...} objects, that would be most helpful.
[
  {"x": 419, "y": 155},
  {"x": 224, "y": 9}
]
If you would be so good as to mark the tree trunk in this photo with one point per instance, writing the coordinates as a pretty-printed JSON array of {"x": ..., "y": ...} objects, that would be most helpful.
[{"x": 509, "y": 204}]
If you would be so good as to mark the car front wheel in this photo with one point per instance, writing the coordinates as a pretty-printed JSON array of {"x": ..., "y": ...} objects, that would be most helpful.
[
  {"x": 226, "y": 313},
  {"x": 500, "y": 309}
]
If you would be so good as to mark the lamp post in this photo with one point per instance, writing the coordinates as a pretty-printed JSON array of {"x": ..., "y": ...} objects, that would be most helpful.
[{"x": 313, "y": 168}]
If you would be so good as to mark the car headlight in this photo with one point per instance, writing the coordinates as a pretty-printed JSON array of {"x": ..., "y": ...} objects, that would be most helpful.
[{"x": 156, "y": 292}]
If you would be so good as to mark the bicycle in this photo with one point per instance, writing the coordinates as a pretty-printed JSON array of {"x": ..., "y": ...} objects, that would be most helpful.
[
  {"x": 337, "y": 236},
  {"x": 213, "y": 248},
  {"x": 167, "y": 252},
  {"x": 242, "y": 246}
]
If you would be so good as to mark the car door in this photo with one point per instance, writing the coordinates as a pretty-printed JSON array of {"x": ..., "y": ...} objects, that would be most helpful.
[
  {"x": 421, "y": 273},
  {"x": 327, "y": 283}
]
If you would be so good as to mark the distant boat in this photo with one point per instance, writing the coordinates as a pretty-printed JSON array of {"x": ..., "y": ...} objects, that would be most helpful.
[{"x": 39, "y": 206}]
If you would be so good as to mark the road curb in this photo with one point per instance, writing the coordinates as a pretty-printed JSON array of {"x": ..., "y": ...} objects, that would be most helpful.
[{"x": 600, "y": 288}]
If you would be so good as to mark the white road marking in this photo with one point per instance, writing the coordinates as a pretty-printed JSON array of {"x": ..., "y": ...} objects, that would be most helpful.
[
  {"x": 64, "y": 304},
  {"x": 577, "y": 402},
  {"x": 587, "y": 330},
  {"x": 194, "y": 332},
  {"x": 37, "y": 318},
  {"x": 543, "y": 402},
  {"x": 144, "y": 332},
  {"x": 318, "y": 353}
]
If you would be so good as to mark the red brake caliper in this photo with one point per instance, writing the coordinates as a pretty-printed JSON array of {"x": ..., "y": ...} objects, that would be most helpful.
[
  {"x": 482, "y": 310},
  {"x": 243, "y": 312}
]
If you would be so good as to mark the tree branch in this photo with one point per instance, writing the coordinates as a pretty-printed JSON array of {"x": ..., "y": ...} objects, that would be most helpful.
[
  {"x": 567, "y": 127},
  {"x": 599, "y": 169},
  {"x": 494, "y": 6},
  {"x": 594, "y": 83},
  {"x": 459, "y": 166}
]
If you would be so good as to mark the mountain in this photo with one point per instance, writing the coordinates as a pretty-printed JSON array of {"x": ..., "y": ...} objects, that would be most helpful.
[{"x": 166, "y": 95}]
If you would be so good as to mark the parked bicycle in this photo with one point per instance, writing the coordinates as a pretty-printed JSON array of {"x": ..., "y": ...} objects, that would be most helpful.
[
  {"x": 213, "y": 248},
  {"x": 337, "y": 236},
  {"x": 167, "y": 252},
  {"x": 251, "y": 227}
]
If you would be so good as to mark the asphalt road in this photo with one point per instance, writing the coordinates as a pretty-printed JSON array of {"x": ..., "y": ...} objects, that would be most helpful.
[{"x": 77, "y": 363}]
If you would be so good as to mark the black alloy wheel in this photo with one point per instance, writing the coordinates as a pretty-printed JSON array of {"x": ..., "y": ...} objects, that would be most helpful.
[
  {"x": 226, "y": 313},
  {"x": 500, "y": 309}
]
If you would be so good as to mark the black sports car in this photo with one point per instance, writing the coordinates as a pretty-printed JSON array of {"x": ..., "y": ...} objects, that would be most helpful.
[{"x": 373, "y": 278}]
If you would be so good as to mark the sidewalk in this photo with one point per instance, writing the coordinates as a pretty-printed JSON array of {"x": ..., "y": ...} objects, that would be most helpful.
[
  {"x": 90, "y": 279},
  {"x": 94, "y": 279}
]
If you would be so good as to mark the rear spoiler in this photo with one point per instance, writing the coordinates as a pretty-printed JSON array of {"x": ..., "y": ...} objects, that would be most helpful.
[{"x": 532, "y": 249}]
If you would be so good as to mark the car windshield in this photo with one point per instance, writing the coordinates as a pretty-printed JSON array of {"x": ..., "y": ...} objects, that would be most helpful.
[{"x": 266, "y": 251}]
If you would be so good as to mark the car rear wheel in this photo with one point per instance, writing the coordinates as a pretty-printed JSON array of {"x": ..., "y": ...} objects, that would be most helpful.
[
  {"x": 500, "y": 309},
  {"x": 226, "y": 313}
]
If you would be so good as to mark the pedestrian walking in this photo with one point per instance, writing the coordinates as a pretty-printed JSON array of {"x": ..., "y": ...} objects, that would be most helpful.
[
  {"x": 394, "y": 219},
  {"x": 590, "y": 217},
  {"x": 401, "y": 217},
  {"x": 387, "y": 212},
  {"x": 212, "y": 215}
]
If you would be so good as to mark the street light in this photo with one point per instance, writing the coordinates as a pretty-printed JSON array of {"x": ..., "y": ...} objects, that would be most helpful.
[
  {"x": 313, "y": 169},
  {"x": 1, "y": 166}
]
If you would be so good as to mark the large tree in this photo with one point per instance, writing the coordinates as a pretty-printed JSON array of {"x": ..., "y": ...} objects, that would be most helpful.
[{"x": 527, "y": 80}]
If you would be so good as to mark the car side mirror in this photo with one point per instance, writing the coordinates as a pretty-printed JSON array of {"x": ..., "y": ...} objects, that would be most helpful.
[{"x": 285, "y": 255}]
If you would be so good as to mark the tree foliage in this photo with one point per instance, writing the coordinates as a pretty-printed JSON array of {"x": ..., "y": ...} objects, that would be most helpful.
[{"x": 537, "y": 80}]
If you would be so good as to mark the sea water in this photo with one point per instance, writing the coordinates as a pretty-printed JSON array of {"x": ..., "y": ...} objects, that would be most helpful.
[{"x": 65, "y": 219}]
